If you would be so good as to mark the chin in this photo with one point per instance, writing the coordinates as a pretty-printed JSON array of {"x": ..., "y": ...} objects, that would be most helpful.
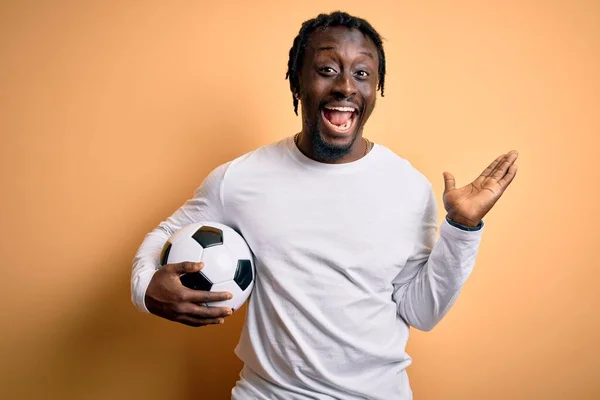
[
  {"x": 337, "y": 141},
  {"x": 330, "y": 145}
]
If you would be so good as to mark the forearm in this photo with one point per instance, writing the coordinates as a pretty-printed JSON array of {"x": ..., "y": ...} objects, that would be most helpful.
[
  {"x": 206, "y": 205},
  {"x": 426, "y": 297},
  {"x": 145, "y": 263}
]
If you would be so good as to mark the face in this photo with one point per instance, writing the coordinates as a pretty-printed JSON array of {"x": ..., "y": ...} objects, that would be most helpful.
[{"x": 338, "y": 87}]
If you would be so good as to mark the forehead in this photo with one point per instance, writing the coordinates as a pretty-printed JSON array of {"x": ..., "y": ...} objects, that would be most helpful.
[{"x": 340, "y": 37}]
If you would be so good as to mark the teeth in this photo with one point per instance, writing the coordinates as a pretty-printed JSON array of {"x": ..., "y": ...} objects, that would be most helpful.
[{"x": 346, "y": 109}]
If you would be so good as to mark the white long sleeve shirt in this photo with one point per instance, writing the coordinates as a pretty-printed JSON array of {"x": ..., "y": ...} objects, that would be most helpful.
[{"x": 346, "y": 260}]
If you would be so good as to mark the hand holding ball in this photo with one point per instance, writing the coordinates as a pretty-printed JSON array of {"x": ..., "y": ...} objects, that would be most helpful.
[{"x": 210, "y": 260}]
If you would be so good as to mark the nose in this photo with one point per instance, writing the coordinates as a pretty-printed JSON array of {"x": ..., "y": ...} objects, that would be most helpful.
[{"x": 344, "y": 86}]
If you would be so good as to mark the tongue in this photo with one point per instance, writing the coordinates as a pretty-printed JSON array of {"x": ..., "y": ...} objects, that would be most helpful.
[{"x": 337, "y": 117}]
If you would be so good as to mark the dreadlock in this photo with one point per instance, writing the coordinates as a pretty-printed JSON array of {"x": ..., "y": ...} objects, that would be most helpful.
[{"x": 323, "y": 21}]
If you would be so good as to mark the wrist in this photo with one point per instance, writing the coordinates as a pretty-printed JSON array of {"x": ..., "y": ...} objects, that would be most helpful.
[
  {"x": 464, "y": 224},
  {"x": 463, "y": 221}
]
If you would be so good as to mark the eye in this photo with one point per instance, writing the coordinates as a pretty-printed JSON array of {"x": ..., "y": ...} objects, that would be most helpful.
[
  {"x": 326, "y": 70},
  {"x": 362, "y": 73}
]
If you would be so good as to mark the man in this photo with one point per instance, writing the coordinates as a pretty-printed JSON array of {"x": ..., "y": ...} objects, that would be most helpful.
[{"x": 343, "y": 234}]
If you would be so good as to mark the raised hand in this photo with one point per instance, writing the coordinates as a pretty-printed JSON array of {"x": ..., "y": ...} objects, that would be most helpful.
[{"x": 468, "y": 205}]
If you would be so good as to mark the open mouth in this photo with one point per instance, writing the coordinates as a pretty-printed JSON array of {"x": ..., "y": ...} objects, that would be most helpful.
[{"x": 339, "y": 119}]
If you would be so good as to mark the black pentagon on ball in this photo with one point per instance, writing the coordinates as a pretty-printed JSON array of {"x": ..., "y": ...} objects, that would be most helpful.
[
  {"x": 208, "y": 236},
  {"x": 243, "y": 274},
  {"x": 164, "y": 254},
  {"x": 196, "y": 281}
]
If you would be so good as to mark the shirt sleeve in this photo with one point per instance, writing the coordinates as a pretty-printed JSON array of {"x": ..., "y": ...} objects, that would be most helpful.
[
  {"x": 205, "y": 205},
  {"x": 430, "y": 281}
]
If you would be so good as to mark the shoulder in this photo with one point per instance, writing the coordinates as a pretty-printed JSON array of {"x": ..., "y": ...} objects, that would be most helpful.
[
  {"x": 258, "y": 160},
  {"x": 401, "y": 168},
  {"x": 268, "y": 151},
  {"x": 254, "y": 162}
]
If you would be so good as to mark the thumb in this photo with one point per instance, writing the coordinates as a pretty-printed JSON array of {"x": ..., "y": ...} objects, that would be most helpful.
[
  {"x": 187, "y": 267},
  {"x": 449, "y": 182}
]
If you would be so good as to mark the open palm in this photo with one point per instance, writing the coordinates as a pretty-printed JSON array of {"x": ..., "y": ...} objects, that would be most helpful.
[{"x": 469, "y": 204}]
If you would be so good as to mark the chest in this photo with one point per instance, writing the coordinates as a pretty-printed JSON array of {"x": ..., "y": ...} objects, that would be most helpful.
[{"x": 339, "y": 231}]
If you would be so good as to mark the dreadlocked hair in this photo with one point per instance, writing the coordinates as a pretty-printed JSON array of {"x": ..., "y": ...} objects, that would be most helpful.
[{"x": 337, "y": 18}]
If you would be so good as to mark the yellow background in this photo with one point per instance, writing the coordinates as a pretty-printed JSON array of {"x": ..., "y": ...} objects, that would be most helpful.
[{"x": 112, "y": 113}]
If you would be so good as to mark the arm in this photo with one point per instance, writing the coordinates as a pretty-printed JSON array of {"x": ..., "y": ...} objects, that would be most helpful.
[
  {"x": 435, "y": 272},
  {"x": 206, "y": 205}
]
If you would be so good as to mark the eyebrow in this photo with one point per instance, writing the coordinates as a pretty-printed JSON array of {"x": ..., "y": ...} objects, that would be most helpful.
[{"x": 363, "y": 52}]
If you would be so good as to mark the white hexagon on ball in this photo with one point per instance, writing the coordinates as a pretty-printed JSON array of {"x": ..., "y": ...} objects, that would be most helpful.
[
  {"x": 239, "y": 296},
  {"x": 185, "y": 249},
  {"x": 219, "y": 264}
]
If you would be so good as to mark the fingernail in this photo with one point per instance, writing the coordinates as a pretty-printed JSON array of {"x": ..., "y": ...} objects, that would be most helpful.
[
  {"x": 229, "y": 296},
  {"x": 221, "y": 320},
  {"x": 230, "y": 311}
]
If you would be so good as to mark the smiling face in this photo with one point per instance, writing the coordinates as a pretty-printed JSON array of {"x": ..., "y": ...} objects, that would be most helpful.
[{"x": 338, "y": 86}]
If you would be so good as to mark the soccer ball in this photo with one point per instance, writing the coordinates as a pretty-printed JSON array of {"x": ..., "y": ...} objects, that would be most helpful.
[{"x": 228, "y": 262}]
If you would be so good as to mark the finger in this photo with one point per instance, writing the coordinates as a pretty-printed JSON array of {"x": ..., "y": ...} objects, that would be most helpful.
[
  {"x": 203, "y": 296},
  {"x": 509, "y": 176},
  {"x": 490, "y": 168},
  {"x": 503, "y": 166},
  {"x": 187, "y": 267},
  {"x": 449, "y": 182},
  {"x": 197, "y": 311},
  {"x": 196, "y": 322}
]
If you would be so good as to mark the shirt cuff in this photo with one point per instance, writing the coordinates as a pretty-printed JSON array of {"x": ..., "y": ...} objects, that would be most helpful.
[
  {"x": 463, "y": 227},
  {"x": 140, "y": 285}
]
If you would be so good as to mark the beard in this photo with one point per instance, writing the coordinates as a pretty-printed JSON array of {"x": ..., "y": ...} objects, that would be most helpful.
[{"x": 328, "y": 151}]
